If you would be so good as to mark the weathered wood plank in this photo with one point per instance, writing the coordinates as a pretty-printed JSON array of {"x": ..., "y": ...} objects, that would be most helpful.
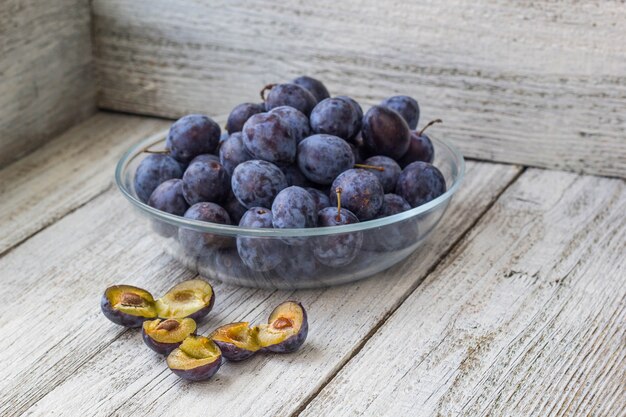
[
  {"x": 526, "y": 317},
  {"x": 77, "y": 363},
  {"x": 65, "y": 173},
  {"x": 46, "y": 72},
  {"x": 535, "y": 83}
]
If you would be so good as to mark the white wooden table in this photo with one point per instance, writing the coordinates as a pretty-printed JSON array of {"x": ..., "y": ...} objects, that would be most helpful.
[{"x": 517, "y": 305}]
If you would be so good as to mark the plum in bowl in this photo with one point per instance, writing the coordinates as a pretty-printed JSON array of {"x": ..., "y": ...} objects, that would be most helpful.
[{"x": 237, "y": 244}]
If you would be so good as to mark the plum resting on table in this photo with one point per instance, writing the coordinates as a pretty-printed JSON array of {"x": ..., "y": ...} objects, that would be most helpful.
[
  {"x": 192, "y": 299},
  {"x": 163, "y": 336},
  {"x": 127, "y": 305},
  {"x": 237, "y": 341},
  {"x": 286, "y": 329},
  {"x": 196, "y": 359}
]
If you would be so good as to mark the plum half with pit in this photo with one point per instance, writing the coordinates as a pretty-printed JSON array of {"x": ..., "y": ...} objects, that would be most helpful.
[
  {"x": 192, "y": 299},
  {"x": 286, "y": 329},
  {"x": 237, "y": 341},
  {"x": 127, "y": 305},
  {"x": 163, "y": 336},
  {"x": 196, "y": 359}
]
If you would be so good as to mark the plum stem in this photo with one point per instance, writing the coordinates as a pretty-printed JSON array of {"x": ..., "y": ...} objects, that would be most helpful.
[
  {"x": 267, "y": 87},
  {"x": 429, "y": 124},
  {"x": 338, "y": 190},
  {"x": 369, "y": 167}
]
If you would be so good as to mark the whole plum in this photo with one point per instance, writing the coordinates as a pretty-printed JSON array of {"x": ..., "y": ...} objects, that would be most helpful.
[
  {"x": 315, "y": 87},
  {"x": 322, "y": 157},
  {"x": 406, "y": 106},
  {"x": 337, "y": 117},
  {"x": 240, "y": 115},
  {"x": 195, "y": 242},
  {"x": 295, "y": 119},
  {"x": 233, "y": 152},
  {"x": 294, "y": 207},
  {"x": 259, "y": 253},
  {"x": 192, "y": 135},
  {"x": 268, "y": 137},
  {"x": 256, "y": 183},
  {"x": 168, "y": 197},
  {"x": 339, "y": 249},
  {"x": 321, "y": 198},
  {"x": 205, "y": 180},
  {"x": 152, "y": 171},
  {"x": 389, "y": 174},
  {"x": 362, "y": 193},
  {"x": 419, "y": 183},
  {"x": 385, "y": 132},
  {"x": 291, "y": 95},
  {"x": 420, "y": 148}
]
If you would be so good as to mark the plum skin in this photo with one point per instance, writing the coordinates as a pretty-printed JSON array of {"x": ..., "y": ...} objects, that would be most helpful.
[
  {"x": 199, "y": 373},
  {"x": 234, "y": 353},
  {"x": 385, "y": 132}
]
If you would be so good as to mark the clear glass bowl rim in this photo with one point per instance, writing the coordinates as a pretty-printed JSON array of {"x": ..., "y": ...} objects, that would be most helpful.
[{"x": 231, "y": 230}]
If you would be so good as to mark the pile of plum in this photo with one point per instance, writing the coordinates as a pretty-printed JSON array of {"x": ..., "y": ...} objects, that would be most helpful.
[
  {"x": 300, "y": 159},
  {"x": 169, "y": 327}
]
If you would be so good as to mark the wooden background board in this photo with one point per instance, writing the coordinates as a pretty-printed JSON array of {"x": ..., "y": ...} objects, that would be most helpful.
[
  {"x": 77, "y": 363},
  {"x": 46, "y": 76},
  {"x": 527, "y": 317},
  {"x": 535, "y": 83}
]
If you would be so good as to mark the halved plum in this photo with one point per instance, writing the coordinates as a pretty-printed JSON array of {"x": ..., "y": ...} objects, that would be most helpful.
[
  {"x": 190, "y": 299},
  {"x": 237, "y": 341},
  {"x": 163, "y": 336},
  {"x": 286, "y": 329},
  {"x": 196, "y": 359},
  {"x": 127, "y": 305}
]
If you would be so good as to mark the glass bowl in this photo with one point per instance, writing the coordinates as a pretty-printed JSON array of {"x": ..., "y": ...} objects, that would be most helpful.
[{"x": 211, "y": 249}]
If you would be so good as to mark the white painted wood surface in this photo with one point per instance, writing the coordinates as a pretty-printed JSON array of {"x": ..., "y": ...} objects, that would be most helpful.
[
  {"x": 65, "y": 173},
  {"x": 526, "y": 317},
  {"x": 536, "y": 83},
  {"x": 72, "y": 361},
  {"x": 47, "y": 82}
]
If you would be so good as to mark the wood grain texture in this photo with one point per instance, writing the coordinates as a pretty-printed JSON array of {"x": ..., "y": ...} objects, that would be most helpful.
[
  {"x": 77, "y": 363},
  {"x": 46, "y": 72},
  {"x": 65, "y": 173},
  {"x": 535, "y": 83},
  {"x": 527, "y": 316}
]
